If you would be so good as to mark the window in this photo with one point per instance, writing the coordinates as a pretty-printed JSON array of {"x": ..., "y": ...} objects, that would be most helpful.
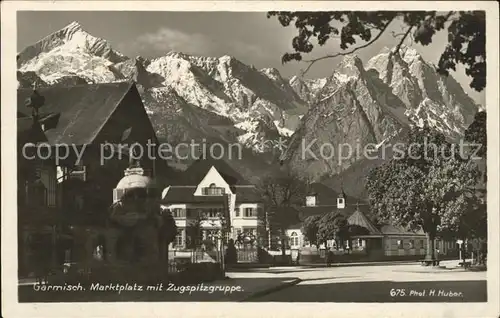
[
  {"x": 178, "y": 212},
  {"x": 400, "y": 244},
  {"x": 237, "y": 212},
  {"x": 411, "y": 244},
  {"x": 357, "y": 244},
  {"x": 294, "y": 239},
  {"x": 249, "y": 212},
  {"x": 178, "y": 239},
  {"x": 213, "y": 212},
  {"x": 213, "y": 190},
  {"x": 340, "y": 203},
  {"x": 311, "y": 200}
]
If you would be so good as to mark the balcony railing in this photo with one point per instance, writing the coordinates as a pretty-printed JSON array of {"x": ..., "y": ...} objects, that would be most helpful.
[{"x": 213, "y": 191}]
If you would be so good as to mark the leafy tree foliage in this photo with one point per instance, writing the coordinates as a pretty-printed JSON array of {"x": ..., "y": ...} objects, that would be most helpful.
[
  {"x": 283, "y": 191},
  {"x": 310, "y": 229},
  {"x": 466, "y": 35},
  {"x": 194, "y": 235},
  {"x": 168, "y": 228},
  {"x": 476, "y": 132},
  {"x": 332, "y": 226},
  {"x": 427, "y": 185}
]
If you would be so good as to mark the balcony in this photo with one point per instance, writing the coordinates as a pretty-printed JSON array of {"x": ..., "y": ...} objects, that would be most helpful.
[{"x": 213, "y": 190}]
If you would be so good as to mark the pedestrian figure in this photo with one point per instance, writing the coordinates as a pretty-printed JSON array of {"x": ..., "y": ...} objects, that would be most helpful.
[
  {"x": 329, "y": 257},
  {"x": 231, "y": 254}
]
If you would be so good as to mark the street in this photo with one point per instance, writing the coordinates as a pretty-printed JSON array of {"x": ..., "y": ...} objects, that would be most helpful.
[
  {"x": 368, "y": 283},
  {"x": 391, "y": 283}
]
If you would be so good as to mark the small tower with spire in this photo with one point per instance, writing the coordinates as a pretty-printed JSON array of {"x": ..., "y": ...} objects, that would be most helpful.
[
  {"x": 341, "y": 200},
  {"x": 311, "y": 199},
  {"x": 342, "y": 197}
]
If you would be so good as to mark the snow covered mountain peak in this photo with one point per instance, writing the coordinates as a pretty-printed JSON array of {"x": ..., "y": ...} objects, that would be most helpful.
[
  {"x": 409, "y": 54},
  {"x": 186, "y": 94},
  {"x": 272, "y": 73},
  {"x": 430, "y": 97},
  {"x": 73, "y": 27},
  {"x": 351, "y": 65},
  {"x": 69, "y": 39}
]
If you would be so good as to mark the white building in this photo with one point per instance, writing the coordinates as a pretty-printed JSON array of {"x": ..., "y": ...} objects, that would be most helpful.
[{"x": 210, "y": 189}]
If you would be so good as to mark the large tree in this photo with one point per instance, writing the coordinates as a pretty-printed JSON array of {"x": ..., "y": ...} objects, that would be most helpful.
[
  {"x": 310, "y": 228},
  {"x": 194, "y": 231},
  {"x": 283, "y": 192},
  {"x": 466, "y": 35},
  {"x": 332, "y": 226},
  {"x": 476, "y": 220},
  {"x": 476, "y": 133},
  {"x": 423, "y": 186}
]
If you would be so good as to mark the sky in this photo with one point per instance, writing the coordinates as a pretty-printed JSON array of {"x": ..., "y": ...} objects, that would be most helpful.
[{"x": 249, "y": 36}]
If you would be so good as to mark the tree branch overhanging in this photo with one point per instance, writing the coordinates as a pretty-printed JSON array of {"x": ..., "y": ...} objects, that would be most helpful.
[
  {"x": 405, "y": 35},
  {"x": 311, "y": 62}
]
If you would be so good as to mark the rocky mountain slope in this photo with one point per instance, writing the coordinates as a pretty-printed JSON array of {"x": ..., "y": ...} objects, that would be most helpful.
[
  {"x": 221, "y": 99},
  {"x": 367, "y": 106}
]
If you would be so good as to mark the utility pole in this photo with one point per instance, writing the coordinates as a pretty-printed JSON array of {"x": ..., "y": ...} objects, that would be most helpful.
[{"x": 268, "y": 229}]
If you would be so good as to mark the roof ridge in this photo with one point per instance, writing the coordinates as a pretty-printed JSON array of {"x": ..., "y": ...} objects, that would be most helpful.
[
  {"x": 358, "y": 213},
  {"x": 183, "y": 186}
]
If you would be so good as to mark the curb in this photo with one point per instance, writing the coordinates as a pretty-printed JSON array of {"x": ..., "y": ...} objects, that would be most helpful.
[
  {"x": 372, "y": 264},
  {"x": 346, "y": 264},
  {"x": 271, "y": 290}
]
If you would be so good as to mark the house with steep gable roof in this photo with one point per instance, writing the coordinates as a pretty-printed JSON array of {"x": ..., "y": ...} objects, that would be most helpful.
[
  {"x": 100, "y": 122},
  {"x": 207, "y": 190}
]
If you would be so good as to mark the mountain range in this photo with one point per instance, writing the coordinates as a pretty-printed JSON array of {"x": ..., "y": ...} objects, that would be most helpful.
[{"x": 222, "y": 99}]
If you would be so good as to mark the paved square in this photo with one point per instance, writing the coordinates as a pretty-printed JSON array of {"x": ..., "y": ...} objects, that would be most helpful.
[{"x": 390, "y": 283}]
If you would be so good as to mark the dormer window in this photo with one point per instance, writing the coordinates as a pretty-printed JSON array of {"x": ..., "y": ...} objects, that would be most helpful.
[
  {"x": 311, "y": 200},
  {"x": 212, "y": 189}
]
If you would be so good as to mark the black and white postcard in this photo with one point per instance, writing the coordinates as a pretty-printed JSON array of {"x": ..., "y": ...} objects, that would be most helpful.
[{"x": 250, "y": 158}]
